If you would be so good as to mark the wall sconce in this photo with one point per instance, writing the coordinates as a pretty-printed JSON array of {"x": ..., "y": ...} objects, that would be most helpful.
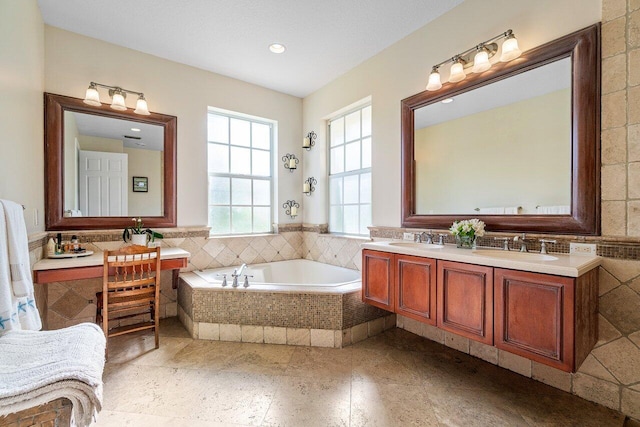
[
  {"x": 309, "y": 141},
  {"x": 291, "y": 208},
  {"x": 290, "y": 162},
  {"x": 309, "y": 186},
  {"x": 117, "y": 94},
  {"x": 476, "y": 58}
]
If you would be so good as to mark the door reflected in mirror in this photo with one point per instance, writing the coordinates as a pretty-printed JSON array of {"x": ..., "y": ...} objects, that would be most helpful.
[
  {"x": 501, "y": 149},
  {"x": 101, "y": 157}
]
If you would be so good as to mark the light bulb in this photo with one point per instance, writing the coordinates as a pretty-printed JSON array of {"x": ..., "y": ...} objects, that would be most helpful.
[
  {"x": 434, "y": 80},
  {"x": 141, "y": 107},
  {"x": 510, "y": 49},
  {"x": 481, "y": 61},
  {"x": 457, "y": 72},
  {"x": 117, "y": 102},
  {"x": 92, "y": 97}
]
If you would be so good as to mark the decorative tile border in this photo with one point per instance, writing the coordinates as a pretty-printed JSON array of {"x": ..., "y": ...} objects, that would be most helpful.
[
  {"x": 336, "y": 338},
  {"x": 609, "y": 247}
]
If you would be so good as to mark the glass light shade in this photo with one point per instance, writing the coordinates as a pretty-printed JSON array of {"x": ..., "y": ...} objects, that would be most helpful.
[
  {"x": 457, "y": 73},
  {"x": 117, "y": 102},
  {"x": 481, "y": 62},
  {"x": 141, "y": 107},
  {"x": 434, "y": 81},
  {"x": 510, "y": 50},
  {"x": 92, "y": 97}
]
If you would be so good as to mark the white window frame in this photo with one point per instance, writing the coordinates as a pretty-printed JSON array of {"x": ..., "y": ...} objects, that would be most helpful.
[
  {"x": 358, "y": 172},
  {"x": 252, "y": 119}
]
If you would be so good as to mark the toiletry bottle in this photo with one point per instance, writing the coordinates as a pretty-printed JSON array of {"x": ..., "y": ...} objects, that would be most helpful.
[
  {"x": 75, "y": 244},
  {"x": 51, "y": 247},
  {"x": 59, "y": 248}
]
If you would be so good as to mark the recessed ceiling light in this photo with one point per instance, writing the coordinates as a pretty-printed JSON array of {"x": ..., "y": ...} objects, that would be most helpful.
[
  {"x": 277, "y": 48},
  {"x": 447, "y": 101},
  {"x": 135, "y": 129}
]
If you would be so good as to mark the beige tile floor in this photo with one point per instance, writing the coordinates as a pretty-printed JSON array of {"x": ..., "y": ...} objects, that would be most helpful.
[{"x": 393, "y": 379}]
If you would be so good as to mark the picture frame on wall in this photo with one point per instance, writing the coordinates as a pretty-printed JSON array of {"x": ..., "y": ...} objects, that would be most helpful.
[{"x": 140, "y": 184}]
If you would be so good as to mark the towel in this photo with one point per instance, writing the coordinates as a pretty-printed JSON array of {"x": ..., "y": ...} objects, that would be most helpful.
[
  {"x": 17, "y": 303},
  {"x": 511, "y": 210},
  {"x": 38, "y": 367},
  {"x": 553, "y": 210}
]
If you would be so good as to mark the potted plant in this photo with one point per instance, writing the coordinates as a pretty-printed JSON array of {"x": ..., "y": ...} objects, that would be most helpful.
[
  {"x": 138, "y": 235},
  {"x": 466, "y": 232}
]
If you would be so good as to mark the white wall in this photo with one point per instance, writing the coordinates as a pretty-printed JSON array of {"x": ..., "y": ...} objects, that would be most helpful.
[
  {"x": 402, "y": 69},
  {"x": 72, "y": 61},
  {"x": 21, "y": 101}
]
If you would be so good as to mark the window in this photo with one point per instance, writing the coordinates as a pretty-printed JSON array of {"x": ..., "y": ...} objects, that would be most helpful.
[
  {"x": 240, "y": 178},
  {"x": 350, "y": 172}
]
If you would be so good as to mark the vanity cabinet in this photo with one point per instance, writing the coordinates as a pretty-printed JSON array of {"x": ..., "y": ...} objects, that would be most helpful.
[
  {"x": 378, "y": 278},
  {"x": 465, "y": 300},
  {"x": 416, "y": 288},
  {"x": 546, "y": 318}
]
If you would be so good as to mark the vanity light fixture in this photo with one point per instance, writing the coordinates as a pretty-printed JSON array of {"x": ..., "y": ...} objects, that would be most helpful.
[
  {"x": 309, "y": 141},
  {"x": 290, "y": 162},
  {"x": 291, "y": 208},
  {"x": 118, "y": 95},
  {"x": 309, "y": 186},
  {"x": 476, "y": 58}
]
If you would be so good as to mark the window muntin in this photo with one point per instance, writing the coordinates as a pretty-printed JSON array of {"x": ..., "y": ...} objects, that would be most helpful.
[
  {"x": 240, "y": 174},
  {"x": 350, "y": 172}
]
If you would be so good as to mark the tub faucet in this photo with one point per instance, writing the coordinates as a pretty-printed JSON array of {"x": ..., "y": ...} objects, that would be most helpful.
[
  {"x": 246, "y": 280},
  {"x": 224, "y": 279},
  {"x": 237, "y": 273}
]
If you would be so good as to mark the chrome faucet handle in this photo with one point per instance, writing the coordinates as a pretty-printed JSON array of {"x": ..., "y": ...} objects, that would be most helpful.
[
  {"x": 543, "y": 245},
  {"x": 505, "y": 242},
  {"x": 246, "y": 280},
  {"x": 235, "y": 281},
  {"x": 441, "y": 238},
  {"x": 224, "y": 279}
]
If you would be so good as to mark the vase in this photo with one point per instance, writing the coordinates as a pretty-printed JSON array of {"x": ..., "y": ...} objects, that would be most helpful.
[
  {"x": 139, "y": 239},
  {"x": 465, "y": 242}
]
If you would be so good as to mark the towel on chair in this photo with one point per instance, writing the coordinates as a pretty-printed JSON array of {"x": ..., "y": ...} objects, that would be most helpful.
[
  {"x": 17, "y": 303},
  {"x": 39, "y": 367}
]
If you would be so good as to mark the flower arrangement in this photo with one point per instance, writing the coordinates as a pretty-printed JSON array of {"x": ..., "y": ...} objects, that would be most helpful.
[
  {"x": 466, "y": 232},
  {"x": 138, "y": 228}
]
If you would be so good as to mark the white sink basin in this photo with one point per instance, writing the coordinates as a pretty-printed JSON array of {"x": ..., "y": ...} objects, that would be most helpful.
[
  {"x": 516, "y": 256},
  {"x": 416, "y": 245}
]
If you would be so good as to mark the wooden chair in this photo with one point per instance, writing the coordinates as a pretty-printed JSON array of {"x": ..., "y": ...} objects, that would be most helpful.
[{"x": 133, "y": 291}]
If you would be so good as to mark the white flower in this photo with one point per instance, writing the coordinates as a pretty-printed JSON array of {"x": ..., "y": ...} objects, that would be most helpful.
[{"x": 468, "y": 227}]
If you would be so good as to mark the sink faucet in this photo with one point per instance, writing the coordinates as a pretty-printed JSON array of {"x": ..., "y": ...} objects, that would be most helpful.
[
  {"x": 543, "y": 245},
  {"x": 425, "y": 237},
  {"x": 441, "y": 238},
  {"x": 523, "y": 240}
]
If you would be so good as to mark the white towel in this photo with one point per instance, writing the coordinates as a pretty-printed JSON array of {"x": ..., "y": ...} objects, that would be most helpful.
[
  {"x": 553, "y": 210},
  {"x": 38, "y": 367},
  {"x": 17, "y": 302},
  {"x": 510, "y": 210}
]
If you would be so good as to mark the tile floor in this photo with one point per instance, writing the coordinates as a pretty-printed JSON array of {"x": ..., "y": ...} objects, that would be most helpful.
[{"x": 393, "y": 379}]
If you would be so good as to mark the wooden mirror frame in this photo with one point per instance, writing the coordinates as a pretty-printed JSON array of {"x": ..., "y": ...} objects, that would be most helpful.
[
  {"x": 54, "y": 108},
  {"x": 583, "y": 47}
]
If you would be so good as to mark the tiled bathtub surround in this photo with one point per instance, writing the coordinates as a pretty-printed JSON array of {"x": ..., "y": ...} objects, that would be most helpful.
[{"x": 297, "y": 318}]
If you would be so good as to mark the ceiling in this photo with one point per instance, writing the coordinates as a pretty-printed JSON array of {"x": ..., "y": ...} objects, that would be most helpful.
[
  {"x": 324, "y": 38},
  {"x": 147, "y": 137}
]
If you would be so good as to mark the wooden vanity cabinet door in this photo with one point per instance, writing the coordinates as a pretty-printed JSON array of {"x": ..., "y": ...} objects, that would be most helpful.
[
  {"x": 416, "y": 288},
  {"x": 378, "y": 278},
  {"x": 465, "y": 300},
  {"x": 535, "y": 316}
]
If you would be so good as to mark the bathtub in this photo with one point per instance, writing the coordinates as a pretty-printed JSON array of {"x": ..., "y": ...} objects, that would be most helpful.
[
  {"x": 287, "y": 275},
  {"x": 297, "y": 302}
]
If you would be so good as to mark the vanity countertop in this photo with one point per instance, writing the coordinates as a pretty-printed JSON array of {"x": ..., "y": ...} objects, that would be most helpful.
[
  {"x": 557, "y": 264},
  {"x": 97, "y": 258}
]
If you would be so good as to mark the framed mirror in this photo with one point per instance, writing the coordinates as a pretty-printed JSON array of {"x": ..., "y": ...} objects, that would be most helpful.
[
  {"x": 517, "y": 146},
  {"x": 103, "y": 167}
]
